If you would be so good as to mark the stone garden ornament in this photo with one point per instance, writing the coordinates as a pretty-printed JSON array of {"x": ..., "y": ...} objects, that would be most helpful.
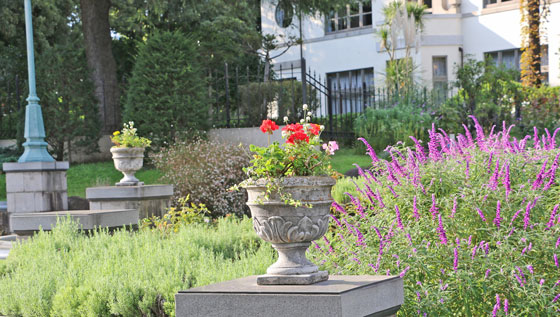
[
  {"x": 128, "y": 153},
  {"x": 289, "y": 194}
]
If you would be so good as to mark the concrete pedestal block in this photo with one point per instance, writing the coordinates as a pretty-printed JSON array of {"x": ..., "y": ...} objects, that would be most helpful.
[
  {"x": 149, "y": 200},
  {"x": 340, "y": 296},
  {"x": 26, "y": 223},
  {"x": 36, "y": 186}
]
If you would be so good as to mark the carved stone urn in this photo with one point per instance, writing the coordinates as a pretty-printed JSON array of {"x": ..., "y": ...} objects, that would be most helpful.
[
  {"x": 291, "y": 229},
  {"x": 128, "y": 160}
]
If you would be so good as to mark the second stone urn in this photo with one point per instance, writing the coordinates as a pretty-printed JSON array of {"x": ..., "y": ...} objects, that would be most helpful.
[
  {"x": 128, "y": 160},
  {"x": 291, "y": 229}
]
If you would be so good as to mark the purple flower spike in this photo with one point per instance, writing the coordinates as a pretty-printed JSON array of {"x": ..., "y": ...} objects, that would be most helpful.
[
  {"x": 556, "y": 298},
  {"x": 481, "y": 214},
  {"x": 506, "y": 306},
  {"x": 455, "y": 259},
  {"x": 498, "y": 218},
  {"x": 434, "y": 209},
  {"x": 487, "y": 272},
  {"x": 552, "y": 217},
  {"x": 403, "y": 273},
  {"x": 454, "y": 209},
  {"x": 415, "y": 209},
  {"x": 399, "y": 221},
  {"x": 506, "y": 181},
  {"x": 370, "y": 150},
  {"x": 555, "y": 259},
  {"x": 496, "y": 306},
  {"x": 527, "y": 217},
  {"x": 441, "y": 231}
]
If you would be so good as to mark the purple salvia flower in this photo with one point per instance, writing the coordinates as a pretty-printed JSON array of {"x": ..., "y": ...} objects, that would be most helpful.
[
  {"x": 530, "y": 268},
  {"x": 455, "y": 259},
  {"x": 557, "y": 243},
  {"x": 393, "y": 191},
  {"x": 370, "y": 150},
  {"x": 370, "y": 195},
  {"x": 480, "y": 214},
  {"x": 399, "y": 221},
  {"x": 458, "y": 242},
  {"x": 454, "y": 209},
  {"x": 328, "y": 244},
  {"x": 527, "y": 217},
  {"x": 552, "y": 217},
  {"x": 487, "y": 272},
  {"x": 540, "y": 177},
  {"x": 336, "y": 220},
  {"x": 469, "y": 241},
  {"x": 556, "y": 298},
  {"x": 473, "y": 254},
  {"x": 518, "y": 279},
  {"x": 480, "y": 139},
  {"x": 498, "y": 218},
  {"x": 489, "y": 168},
  {"x": 555, "y": 259},
  {"x": 541, "y": 282},
  {"x": 388, "y": 272},
  {"x": 530, "y": 246},
  {"x": 506, "y": 181},
  {"x": 496, "y": 306},
  {"x": 521, "y": 273},
  {"x": 506, "y": 306},
  {"x": 441, "y": 231},
  {"x": 370, "y": 174},
  {"x": 557, "y": 282},
  {"x": 433, "y": 152},
  {"x": 415, "y": 209},
  {"x": 357, "y": 204},
  {"x": 390, "y": 176},
  {"x": 467, "y": 169},
  {"x": 468, "y": 135},
  {"x": 419, "y": 150},
  {"x": 536, "y": 138},
  {"x": 403, "y": 273},
  {"x": 493, "y": 184},
  {"x": 515, "y": 216},
  {"x": 434, "y": 208},
  {"x": 339, "y": 208},
  {"x": 379, "y": 199}
]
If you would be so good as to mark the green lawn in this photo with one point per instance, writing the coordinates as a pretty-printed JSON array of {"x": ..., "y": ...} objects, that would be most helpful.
[
  {"x": 344, "y": 159},
  {"x": 81, "y": 176}
]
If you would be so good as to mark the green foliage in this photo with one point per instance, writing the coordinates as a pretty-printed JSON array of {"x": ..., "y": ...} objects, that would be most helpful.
[
  {"x": 177, "y": 217},
  {"x": 383, "y": 127},
  {"x": 66, "y": 93},
  {"x": 344, "y": 159},
  {"x": 279, "y": 98},
  {"x": 204, "y": 170},
  {"x": 67, "y": 273},
  {"x": 167, "y": 91},
  {"x": 129, "y": 138}
]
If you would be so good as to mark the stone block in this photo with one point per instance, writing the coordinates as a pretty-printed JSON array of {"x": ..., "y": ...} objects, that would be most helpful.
[
  {"x": 340, "y": 296},
  {"x": 35, "y": 181},
  {"x": 14, "y": 182},
  {"x": 23, "y": 202},
  {"x": 88, "y": 219},
  {"x": 149, "y": 200}
]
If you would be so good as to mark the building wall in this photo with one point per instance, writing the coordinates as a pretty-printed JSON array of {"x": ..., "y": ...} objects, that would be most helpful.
[{"x": 464, "y": 24}]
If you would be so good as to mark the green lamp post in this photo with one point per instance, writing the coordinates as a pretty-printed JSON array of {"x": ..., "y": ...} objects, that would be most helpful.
[{"x": 35, "y": 147}]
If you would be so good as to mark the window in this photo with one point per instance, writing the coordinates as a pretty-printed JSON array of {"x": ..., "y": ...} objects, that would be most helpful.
[
  {"x": 544, "y": 62},
  {"x": 494, "y": 3},
  {"x": 507, "y": 58},
  {"x": 352, "y": 90},
  {"x": 439, "y": 73},
  {"x": 284, "y": 14},
  {"x": 355, "y": 15}
]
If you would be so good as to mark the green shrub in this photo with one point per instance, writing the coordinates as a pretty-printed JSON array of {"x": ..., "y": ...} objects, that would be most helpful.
[
  {"x": 167, "y": 92},
  {"x": 205, "y": 170},
  {"x": 67, "y": 273},
  {"x": 383, "y": 127}
]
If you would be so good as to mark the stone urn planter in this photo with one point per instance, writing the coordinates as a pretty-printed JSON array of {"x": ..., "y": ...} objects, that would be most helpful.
[
  {"x": 291, "y": 229},
  {"x": 128, "y": 160}
]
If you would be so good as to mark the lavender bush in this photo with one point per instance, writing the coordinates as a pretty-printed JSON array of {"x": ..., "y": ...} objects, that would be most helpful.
[{"x": 470, "y": 224}]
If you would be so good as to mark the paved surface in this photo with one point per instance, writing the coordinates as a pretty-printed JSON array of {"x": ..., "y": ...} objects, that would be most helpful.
[{"x": 6, "y": 244}]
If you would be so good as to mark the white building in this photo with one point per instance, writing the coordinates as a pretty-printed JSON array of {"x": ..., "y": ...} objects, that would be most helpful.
[{"x": 345, "y": 45}]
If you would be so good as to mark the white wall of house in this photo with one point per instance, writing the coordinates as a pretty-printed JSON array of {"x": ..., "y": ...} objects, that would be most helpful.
[{"x": 466, "y": 25}]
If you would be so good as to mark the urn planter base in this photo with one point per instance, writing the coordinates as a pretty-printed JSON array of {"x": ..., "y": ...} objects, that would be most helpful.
[{"x": 301, "y": 279}]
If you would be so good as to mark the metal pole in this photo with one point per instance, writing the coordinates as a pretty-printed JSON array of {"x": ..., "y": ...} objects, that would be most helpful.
[{"x": 35, "y": 147}]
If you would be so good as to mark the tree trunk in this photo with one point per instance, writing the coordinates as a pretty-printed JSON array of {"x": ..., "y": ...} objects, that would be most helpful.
[
  {"x": 97, "y": 36},
  {"x": 531, "y": 57}
]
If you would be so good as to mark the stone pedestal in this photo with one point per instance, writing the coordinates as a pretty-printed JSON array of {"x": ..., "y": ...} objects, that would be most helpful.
[
  {"x": 149, "y": 200},
  {"x": 36, "y": 186},
  {"x": 340, "y": 296}
]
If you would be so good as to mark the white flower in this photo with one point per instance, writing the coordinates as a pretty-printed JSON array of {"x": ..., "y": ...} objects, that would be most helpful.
[
  {"x": 309, "y": 113},
  {"x": 286, "y": 119},
  {"x": 305, "y": 106},
  {"x": 302, "y": 121},
  {"x": 308, "y": 118},
  {"x": 322, "y": 127}
]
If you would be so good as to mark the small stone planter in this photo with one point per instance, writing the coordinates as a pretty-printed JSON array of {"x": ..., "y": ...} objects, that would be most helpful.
[
  {"x": 291, "y": 229},
  {"x": 128, "y": 161}
]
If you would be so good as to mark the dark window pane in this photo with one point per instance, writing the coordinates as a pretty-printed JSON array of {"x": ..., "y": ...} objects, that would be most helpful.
[
  {"x": 366, "y": 7},
  {"x": 342, "y": 23},
  {"x": 428, "y": 3},
  {"x": 367, "y": 19},
  {"x": 355, "y": 21}
]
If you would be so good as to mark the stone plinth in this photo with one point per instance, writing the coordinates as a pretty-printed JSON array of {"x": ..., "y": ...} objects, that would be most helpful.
[
  {"x": 344, "y": 296},
  {"x": 149, "y": 200},
  {"x": 25, "y": 223},
  {"x": 36, "y": 186}
]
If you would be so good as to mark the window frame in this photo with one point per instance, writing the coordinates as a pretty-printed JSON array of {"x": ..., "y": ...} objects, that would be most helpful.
[{"x": 335, "y": 18}]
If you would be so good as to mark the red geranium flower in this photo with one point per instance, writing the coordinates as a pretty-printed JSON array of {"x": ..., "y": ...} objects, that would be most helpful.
[
  {"x": 298, "y": 136},
  {"x": 268, "y": 126},
  {"x": 315, "y": 128},
  {"x": 293, "y": 127}
]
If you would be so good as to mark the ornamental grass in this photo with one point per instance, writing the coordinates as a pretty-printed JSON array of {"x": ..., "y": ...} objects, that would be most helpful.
[{"x": 470, "y": 223}]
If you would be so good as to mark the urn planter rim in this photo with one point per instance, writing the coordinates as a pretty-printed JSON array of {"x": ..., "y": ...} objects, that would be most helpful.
[
  {"x": 295, "y": 181},
  {"x": 118, "y": 149}
]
